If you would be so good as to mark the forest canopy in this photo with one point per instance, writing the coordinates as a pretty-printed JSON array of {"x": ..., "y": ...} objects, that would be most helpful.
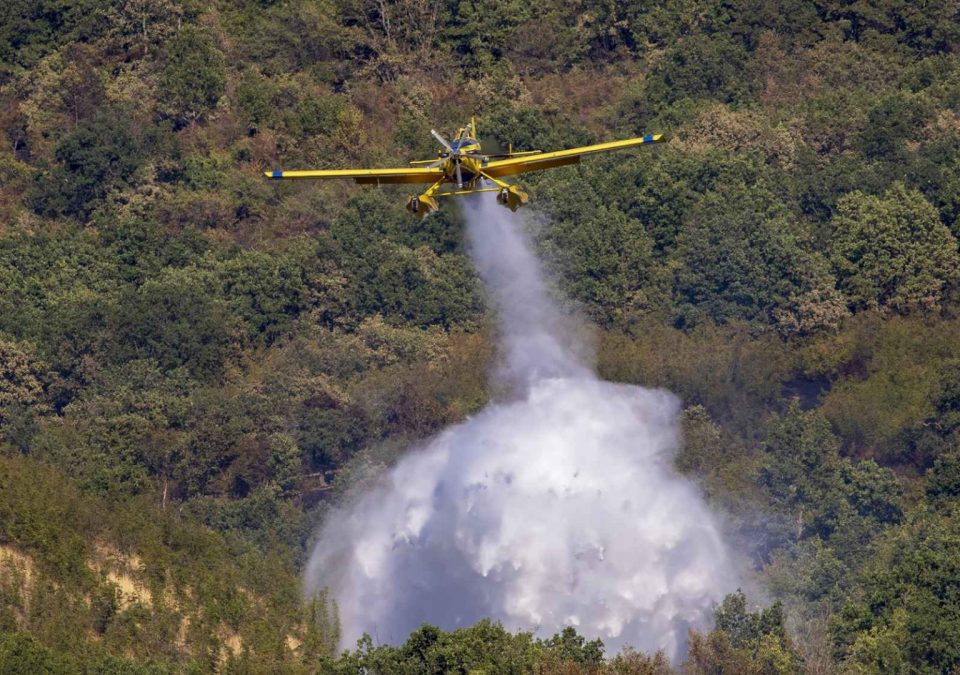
[{"x": 196, "y": 364}]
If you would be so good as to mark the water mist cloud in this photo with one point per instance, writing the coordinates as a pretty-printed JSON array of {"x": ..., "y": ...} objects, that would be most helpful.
[{"x": 559, "y": 507}]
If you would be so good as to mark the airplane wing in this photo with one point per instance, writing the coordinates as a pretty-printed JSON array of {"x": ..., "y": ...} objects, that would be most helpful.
[
  {"x": 548, "y": 160},
  {"x": 365, "y": 176}
]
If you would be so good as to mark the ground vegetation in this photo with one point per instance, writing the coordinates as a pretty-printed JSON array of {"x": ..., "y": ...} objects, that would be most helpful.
[{"x": 195, "y": 364}]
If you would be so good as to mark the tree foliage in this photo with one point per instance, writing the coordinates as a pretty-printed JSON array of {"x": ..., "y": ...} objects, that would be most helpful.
[
  {"x": 739, "y": 258},
  {"x": 100, "y": 155},
  {"x": 196, "y": 365},
  {"x": 194, "y": 77},
  {"x": 893, "y": 251}
]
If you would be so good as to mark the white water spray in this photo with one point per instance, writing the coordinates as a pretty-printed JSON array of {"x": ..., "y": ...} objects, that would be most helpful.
[{"x": 557, "y": 508}]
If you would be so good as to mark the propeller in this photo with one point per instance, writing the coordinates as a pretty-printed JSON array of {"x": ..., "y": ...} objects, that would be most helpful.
[{"x": 455, "y": 154}]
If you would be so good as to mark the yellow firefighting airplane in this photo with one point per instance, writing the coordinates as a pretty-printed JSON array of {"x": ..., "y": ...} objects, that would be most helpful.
[{"x": 462, "y": 165}]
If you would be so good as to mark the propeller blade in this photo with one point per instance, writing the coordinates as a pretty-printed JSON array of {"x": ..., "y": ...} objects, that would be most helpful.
[
  {"x": 434, "y": 165},
  {"x": 443, "y": 141},
  {"x": 459, "y": 177}
]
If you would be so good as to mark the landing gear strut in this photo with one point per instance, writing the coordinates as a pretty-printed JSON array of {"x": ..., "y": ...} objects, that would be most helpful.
[{"x": 423, "y": 204}]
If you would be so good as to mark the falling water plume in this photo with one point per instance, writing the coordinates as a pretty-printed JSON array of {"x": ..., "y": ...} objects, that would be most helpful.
[{"x": 557, "y": 507}]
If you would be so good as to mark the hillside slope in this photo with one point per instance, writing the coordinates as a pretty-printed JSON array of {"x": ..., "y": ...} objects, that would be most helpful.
[{"x": 195, "y": 363}]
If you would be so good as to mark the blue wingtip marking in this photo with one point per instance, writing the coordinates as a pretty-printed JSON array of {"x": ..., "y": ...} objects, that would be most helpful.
[
  {"x": 648, "y": 138},
  {"x": 278, "y": 174}
]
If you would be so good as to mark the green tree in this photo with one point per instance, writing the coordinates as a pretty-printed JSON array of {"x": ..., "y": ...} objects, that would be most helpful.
[
  {"x": 21, "y": 378},
  {"x": 746, "y": 628},
  {"x": 744, "y": 641},
  {"x": 136, "y": 26},
  {"x": 194, "y": 77},
  {"x": 99, "y": 155},
  {"x": 321, "y": 626},
  {"x": 891, "y": 123},
  {"x": 23, "y": 654},
  {"x": 910, "y": 604},
  {"x": 699, "y": 67},
  {"x": 607, "y": 261},
  {"x": 571, "y": 647},
  {"x": 266, "y": 291},
  {"x": 740, "y": 257},
  {"x": 803, "y": 454},
  {"x": 220, "y": 428},
  {"x": 328, "y": 433},
  {"x": 479, "y": 32},
  {"x": 141, "y": 247},
  {"x": 947, "y": 399},
  {"x": 30, "y": 29},
  {"x": 943, "y": 480},
  {"x": 924, "y": 30},
  {"x": 936, "y": 172},
  {"x": 892, "y": 251},
  {"x": 844, "y": 503},
  {"x": 179, "y": 319},
  {"x": 702, "y": 449},
  {"x": 529, "y": 128}
]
